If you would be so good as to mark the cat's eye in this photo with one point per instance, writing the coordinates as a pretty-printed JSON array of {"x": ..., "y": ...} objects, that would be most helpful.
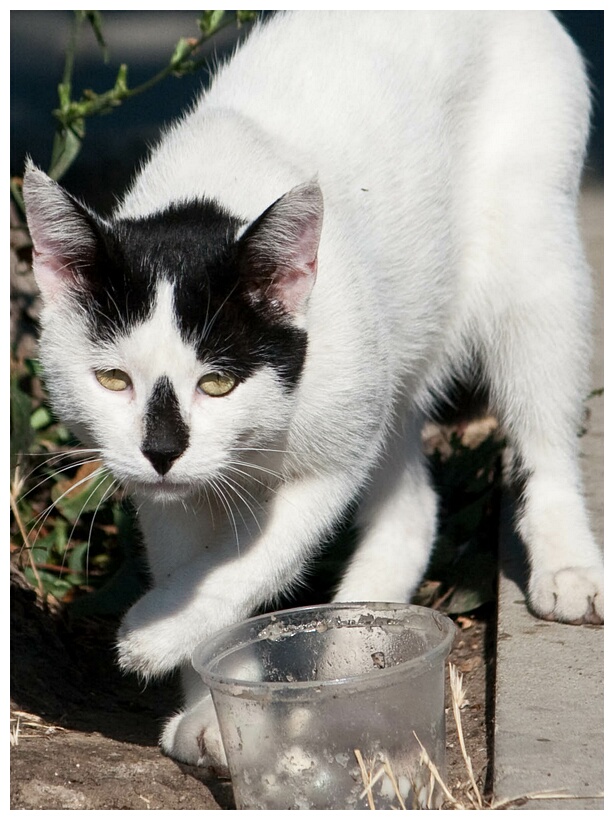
[
  {"x": 113, "y": 379},
  {"x": 217, "y": 384}
]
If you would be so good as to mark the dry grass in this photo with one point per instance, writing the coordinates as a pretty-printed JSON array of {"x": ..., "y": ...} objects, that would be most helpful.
[
  {"x": 429, "y": 788},
  {"x": 25, "y": 725}
]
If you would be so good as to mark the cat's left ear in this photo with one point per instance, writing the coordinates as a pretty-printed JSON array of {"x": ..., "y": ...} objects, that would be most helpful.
[
  {"x": 278, "y": 254},
  {"x": 62, "y": 232}
]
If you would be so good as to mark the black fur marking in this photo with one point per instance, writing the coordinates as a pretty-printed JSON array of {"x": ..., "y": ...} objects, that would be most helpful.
[
  {"x": 166, "y": 434},
  {"x": 194, "y": 246}
]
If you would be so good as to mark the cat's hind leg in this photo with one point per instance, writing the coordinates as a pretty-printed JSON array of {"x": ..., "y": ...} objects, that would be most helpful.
[
  {"x": 397, "y": 522},
  {"x": 525, "y": 295},
  {"x": 536, "y": 359},
  {"x": 193, "y": 735}
]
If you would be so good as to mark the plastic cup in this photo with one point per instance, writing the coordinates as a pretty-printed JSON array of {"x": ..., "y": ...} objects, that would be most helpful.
[{"x": 316, "y": 703}]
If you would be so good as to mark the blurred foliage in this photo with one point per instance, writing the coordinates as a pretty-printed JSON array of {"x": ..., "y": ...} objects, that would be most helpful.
[
  {"x": 66, "y": 526},
  {"x": 73, "y": 111},
  {"x": 72, "y": 532},
  {"x": 462, "y": 574}
]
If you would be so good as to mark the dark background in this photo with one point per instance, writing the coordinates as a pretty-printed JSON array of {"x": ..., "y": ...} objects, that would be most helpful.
[{"x": 145, "y": 40}]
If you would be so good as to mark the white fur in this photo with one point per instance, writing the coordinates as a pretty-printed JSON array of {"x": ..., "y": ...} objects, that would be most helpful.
[{"x": 448, "y": 147}]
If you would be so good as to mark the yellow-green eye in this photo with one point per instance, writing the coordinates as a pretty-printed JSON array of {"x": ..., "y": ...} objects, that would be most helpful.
[
  {"x": 217, "y": 384},
  {"x": 113, "y": 379}
]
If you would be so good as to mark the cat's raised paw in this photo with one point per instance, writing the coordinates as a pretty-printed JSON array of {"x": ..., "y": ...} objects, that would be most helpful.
[
  {"x": 573, "y": 595},
  {"x": 153, "y": 638}
]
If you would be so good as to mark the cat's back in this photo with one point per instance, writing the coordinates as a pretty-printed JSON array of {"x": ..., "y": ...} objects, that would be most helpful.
[
  {"x": 358, "y": 96},
  {"x": 332, "y": 79},
  {"x": 305, "y": 70}
]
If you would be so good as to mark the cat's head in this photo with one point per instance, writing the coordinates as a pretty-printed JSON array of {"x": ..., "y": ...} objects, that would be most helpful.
[{"x": 174, "y": 342}]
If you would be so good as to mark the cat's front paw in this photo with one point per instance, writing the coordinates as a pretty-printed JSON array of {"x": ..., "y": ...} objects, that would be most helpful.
[
  {"x": 151, "y": 642},
  {"x": 141, "y": 651},
  {"x": 193, "y": 736},
  {"x": 573, "y": 595},
  {"x": 162, "y": 630}
]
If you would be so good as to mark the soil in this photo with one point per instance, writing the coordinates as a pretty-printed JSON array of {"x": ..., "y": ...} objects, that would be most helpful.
[{"x": 84, "y": 736}]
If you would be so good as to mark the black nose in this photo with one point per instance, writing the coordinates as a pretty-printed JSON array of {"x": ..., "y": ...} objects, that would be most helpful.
[
  {"x": 166, "y": 434},
  {"x": 162, "y": 460}
]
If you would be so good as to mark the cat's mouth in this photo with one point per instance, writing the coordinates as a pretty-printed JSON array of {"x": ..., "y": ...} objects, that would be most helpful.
[{"x": 162, "y": 489}]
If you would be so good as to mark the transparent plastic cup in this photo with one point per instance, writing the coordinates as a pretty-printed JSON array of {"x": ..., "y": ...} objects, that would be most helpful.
[{"x": 317, "y": 702}]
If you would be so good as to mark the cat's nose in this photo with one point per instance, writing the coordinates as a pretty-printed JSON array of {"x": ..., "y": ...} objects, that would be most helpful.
[
  {"x": 162, "y": 459},
  {"x": 166, "y": 434}
]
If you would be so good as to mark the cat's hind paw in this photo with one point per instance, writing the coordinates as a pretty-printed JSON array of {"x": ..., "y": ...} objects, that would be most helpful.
[
  {"x": 573, "y": 595},
  {"x": 193, "y": 736}
]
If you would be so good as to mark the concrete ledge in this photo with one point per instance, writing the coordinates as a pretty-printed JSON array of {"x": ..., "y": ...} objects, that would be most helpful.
[
  {"x": 549, "y": 686},
  {"x": 549, "y": 700}
]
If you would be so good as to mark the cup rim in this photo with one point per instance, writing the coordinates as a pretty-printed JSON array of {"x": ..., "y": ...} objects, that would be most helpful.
[{"x": 256, "y": 689}]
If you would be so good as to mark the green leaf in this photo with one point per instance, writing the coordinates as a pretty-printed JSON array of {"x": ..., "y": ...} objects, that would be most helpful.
[
  {"x": 58, "y": 586},
  {"x": 127, "y": 585},
  {"x": 16, "y": 191},
  {"x": 87, "y": 498},
  {"x": 60, "y": 535},
  {"x": 210, "y": 22},
  {"x": 66, "y": 147},
  {"x": 63, "y": 434},
  {"x": 34, "y": 367},
  {"x": 48, "y": 541},
  {"x": 77, "y": 558},
  {"x": 52, "y": 584},
  {"x": 21, "y": 431},
  {"x": 121, "y": 81},
  {"x": 246, "y": 16},
  {"x": 41, "y": 553},
  {"x": 41, "y": 418},
  {"x": 183, "y": 49},
  {"x": 468, "y": 600}
]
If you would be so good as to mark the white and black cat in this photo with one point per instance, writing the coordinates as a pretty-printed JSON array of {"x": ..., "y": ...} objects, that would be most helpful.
[{"x": 362, "y": 206}]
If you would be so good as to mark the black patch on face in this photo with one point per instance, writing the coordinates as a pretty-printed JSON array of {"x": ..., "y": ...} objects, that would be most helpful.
[
  {"x": 166, "y": 434},
  {"x": 194, "y": 246}
]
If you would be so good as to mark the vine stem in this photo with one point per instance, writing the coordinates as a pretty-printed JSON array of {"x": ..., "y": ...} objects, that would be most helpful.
[{"x": 71, "y": 114}]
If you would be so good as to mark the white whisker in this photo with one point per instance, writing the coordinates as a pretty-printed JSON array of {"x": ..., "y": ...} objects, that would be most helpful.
[
  {"x": 284, "y": 452},
  {"x": 55, "y": 473},
  {"x": 108, "y": 492},
  {"x": 220, "y": 495},
  {"x": 236, "y": 488},
  {"x": 44, "y": 515},
  {"x": 252, "y": 466}
]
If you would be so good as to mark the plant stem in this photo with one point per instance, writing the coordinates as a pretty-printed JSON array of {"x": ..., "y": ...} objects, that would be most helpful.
[
  {"x": 71, "y": 114},
  {"x": 69, "y": 60}
]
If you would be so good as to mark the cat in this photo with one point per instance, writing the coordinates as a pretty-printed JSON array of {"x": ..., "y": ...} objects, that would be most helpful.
[{"x": 362, "y": 207}]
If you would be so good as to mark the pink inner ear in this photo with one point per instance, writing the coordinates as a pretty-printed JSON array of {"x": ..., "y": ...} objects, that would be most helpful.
[
  {"x": 292, "y": 285},
  {"x": 52, "y": 273},
  {"x": 279, "y": 251},
  {"x": 61, "y": 232}
]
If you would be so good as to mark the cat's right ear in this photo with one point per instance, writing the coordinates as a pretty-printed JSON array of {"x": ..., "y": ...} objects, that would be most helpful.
[
  {"x": 278, "y": 254},
  {"x": 62, "y": 233}
]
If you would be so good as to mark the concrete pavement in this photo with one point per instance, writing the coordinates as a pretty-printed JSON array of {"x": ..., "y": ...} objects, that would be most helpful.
[{"x": 549, "y": 678}]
